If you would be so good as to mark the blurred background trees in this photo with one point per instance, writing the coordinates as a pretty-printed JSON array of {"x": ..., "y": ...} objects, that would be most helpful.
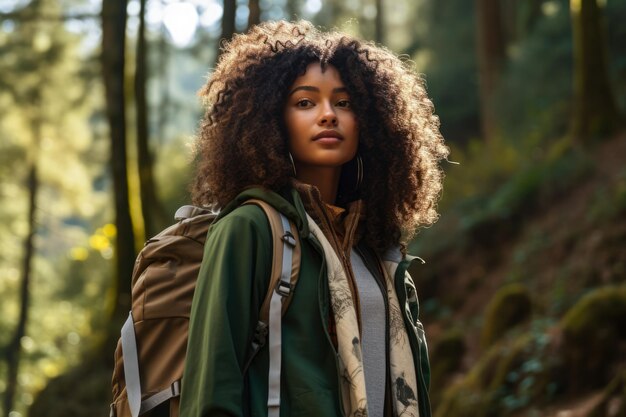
[{"x": 522, "y": 293}]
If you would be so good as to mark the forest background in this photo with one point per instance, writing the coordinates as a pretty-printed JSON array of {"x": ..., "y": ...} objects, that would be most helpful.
[{"x": 522, "y": 292}]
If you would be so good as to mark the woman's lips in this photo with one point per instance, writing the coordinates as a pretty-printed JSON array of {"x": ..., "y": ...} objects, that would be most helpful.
[
  {"x": 328, "y": 140},
  {"x": 328, "y": 136}
]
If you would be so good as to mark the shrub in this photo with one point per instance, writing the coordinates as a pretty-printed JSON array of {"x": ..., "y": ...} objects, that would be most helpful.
[
  {"x": 515, "y": 374},
  {"x": 592, "y": 330}
]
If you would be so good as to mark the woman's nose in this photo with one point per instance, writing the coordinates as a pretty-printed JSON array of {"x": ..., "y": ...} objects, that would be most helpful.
[{"x": 328, "y": 116}]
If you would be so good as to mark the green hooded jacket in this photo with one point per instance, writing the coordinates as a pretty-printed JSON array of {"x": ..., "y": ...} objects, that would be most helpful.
[{"x": 231, "y": 285}]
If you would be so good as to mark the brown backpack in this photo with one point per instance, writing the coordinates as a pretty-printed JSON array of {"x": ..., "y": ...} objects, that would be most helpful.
[{"x": 150, "y": 355}]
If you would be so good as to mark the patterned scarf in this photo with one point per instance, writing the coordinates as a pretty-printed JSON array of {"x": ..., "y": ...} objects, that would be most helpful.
[{"x": 402, "y": 371}]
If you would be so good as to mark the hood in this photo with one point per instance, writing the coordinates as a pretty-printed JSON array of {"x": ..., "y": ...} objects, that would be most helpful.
[{"x": 292, "y": 206}]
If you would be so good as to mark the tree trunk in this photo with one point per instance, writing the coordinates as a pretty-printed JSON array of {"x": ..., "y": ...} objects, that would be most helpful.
[
  {"x": 13, "y": 350},
  {"x": 254, "y": 17},
  {"x": 491, "y": 51},
  {"x": 228, "y": 24},
  {"x": 113, "y": 47},
  {"x": 594, "y": 108},
  {"x": 164, "y": 85},
  {"x": 526, "y": 14},
  {"x": 517, "y": 18},
  {"x": 380, "y": 22},
  {"x": 293, "y": 9},
  {"x": 151, "y": 208}
]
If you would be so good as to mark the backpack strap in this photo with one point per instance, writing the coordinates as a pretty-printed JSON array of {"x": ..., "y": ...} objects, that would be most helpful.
[
  {"x": 160, "y": 397},
  {"x": 131, "y": 366},
  {"x": 284, "y": 238},
  {"x": 282, "y": 290},
  {"x": 283, "y": 278}
]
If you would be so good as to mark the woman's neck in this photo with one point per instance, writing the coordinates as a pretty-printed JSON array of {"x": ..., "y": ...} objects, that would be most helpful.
[{"x": 326, "y": 179}]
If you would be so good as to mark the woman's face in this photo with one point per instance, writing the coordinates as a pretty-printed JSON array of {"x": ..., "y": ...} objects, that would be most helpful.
[{"x": 320, "y": 122}]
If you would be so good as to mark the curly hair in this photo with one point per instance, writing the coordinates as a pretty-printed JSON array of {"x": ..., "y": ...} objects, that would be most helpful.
[{"x": 242, "y": 139}]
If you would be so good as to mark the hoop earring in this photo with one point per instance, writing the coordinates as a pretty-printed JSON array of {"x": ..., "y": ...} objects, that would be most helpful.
[
  {"x": 359, "y": 172},
  {"x": 295, "y": 173}
]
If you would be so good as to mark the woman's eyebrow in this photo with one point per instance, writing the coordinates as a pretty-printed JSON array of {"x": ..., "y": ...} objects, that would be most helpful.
[{"x": 317, "y": 90}]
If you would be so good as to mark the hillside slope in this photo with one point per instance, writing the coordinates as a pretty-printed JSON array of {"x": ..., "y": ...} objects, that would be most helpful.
[{"x": 501, "y": 295}]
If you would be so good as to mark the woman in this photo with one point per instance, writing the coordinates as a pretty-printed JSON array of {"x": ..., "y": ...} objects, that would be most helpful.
[{"x": 339, "y": 136}]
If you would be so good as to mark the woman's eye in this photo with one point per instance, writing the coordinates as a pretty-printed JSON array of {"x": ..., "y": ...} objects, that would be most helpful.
[
  {"x": 305, "y": 102},
  {"x": 344, "y": 103}
]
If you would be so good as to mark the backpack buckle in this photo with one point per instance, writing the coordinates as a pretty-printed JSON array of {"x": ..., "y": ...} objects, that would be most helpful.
[
  {"x": 289, "y": 239},
  {"x": 175, "y": 387},
  {"x": 284, "y": 288}
]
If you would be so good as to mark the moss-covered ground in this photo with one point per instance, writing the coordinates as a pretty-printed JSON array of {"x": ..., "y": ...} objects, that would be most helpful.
[{"x": 523, "y": 291}]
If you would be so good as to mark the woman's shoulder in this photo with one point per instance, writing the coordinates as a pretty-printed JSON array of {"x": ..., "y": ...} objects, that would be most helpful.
[
  {"x": 243, "y": 217},
  {"x": 241, "y": 234},
  {"x": 252, "y": 207}
]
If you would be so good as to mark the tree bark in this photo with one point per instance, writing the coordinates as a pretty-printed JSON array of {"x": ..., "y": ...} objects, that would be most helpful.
[
  {"x": 113, "y": 49},
  {"x": 228, "y": 24},
  {"x": 14, "y": 348},
  {"x": 380, "y": 22},
  {"x": 491, "y": 52},
  {"x": 594, "y": 109},
  {"x": 151, "y": 208},
  {"x": 254, "y": 17}
]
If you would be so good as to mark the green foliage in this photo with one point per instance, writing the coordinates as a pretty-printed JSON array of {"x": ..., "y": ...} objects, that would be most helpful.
[
  {"x": 495, "y": 187},
  {"x": 45, "y": 119},
  {"x": 448, "y": 59},
  {"x": 478, "y": 171},
  {"x": 508, "y": 308},
  {"x": 481, "y": 168},
  {"x": 529, "y": 379},
  {"x": 529, "y": 189},
  {"x": 534, "y": 96},
  {"x": 536, "y": 86},
  {"x": 515, "y": 374}
]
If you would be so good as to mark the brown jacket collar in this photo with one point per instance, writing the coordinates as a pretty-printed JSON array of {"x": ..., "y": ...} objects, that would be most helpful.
[{"x": 340, "y": 225}]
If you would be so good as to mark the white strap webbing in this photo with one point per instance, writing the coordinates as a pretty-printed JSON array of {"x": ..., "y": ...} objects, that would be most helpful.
[
  {"x": 160, "y": 397},
  {"x": 275, "y": 326},
  {"x": 131, "y": 366}
]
